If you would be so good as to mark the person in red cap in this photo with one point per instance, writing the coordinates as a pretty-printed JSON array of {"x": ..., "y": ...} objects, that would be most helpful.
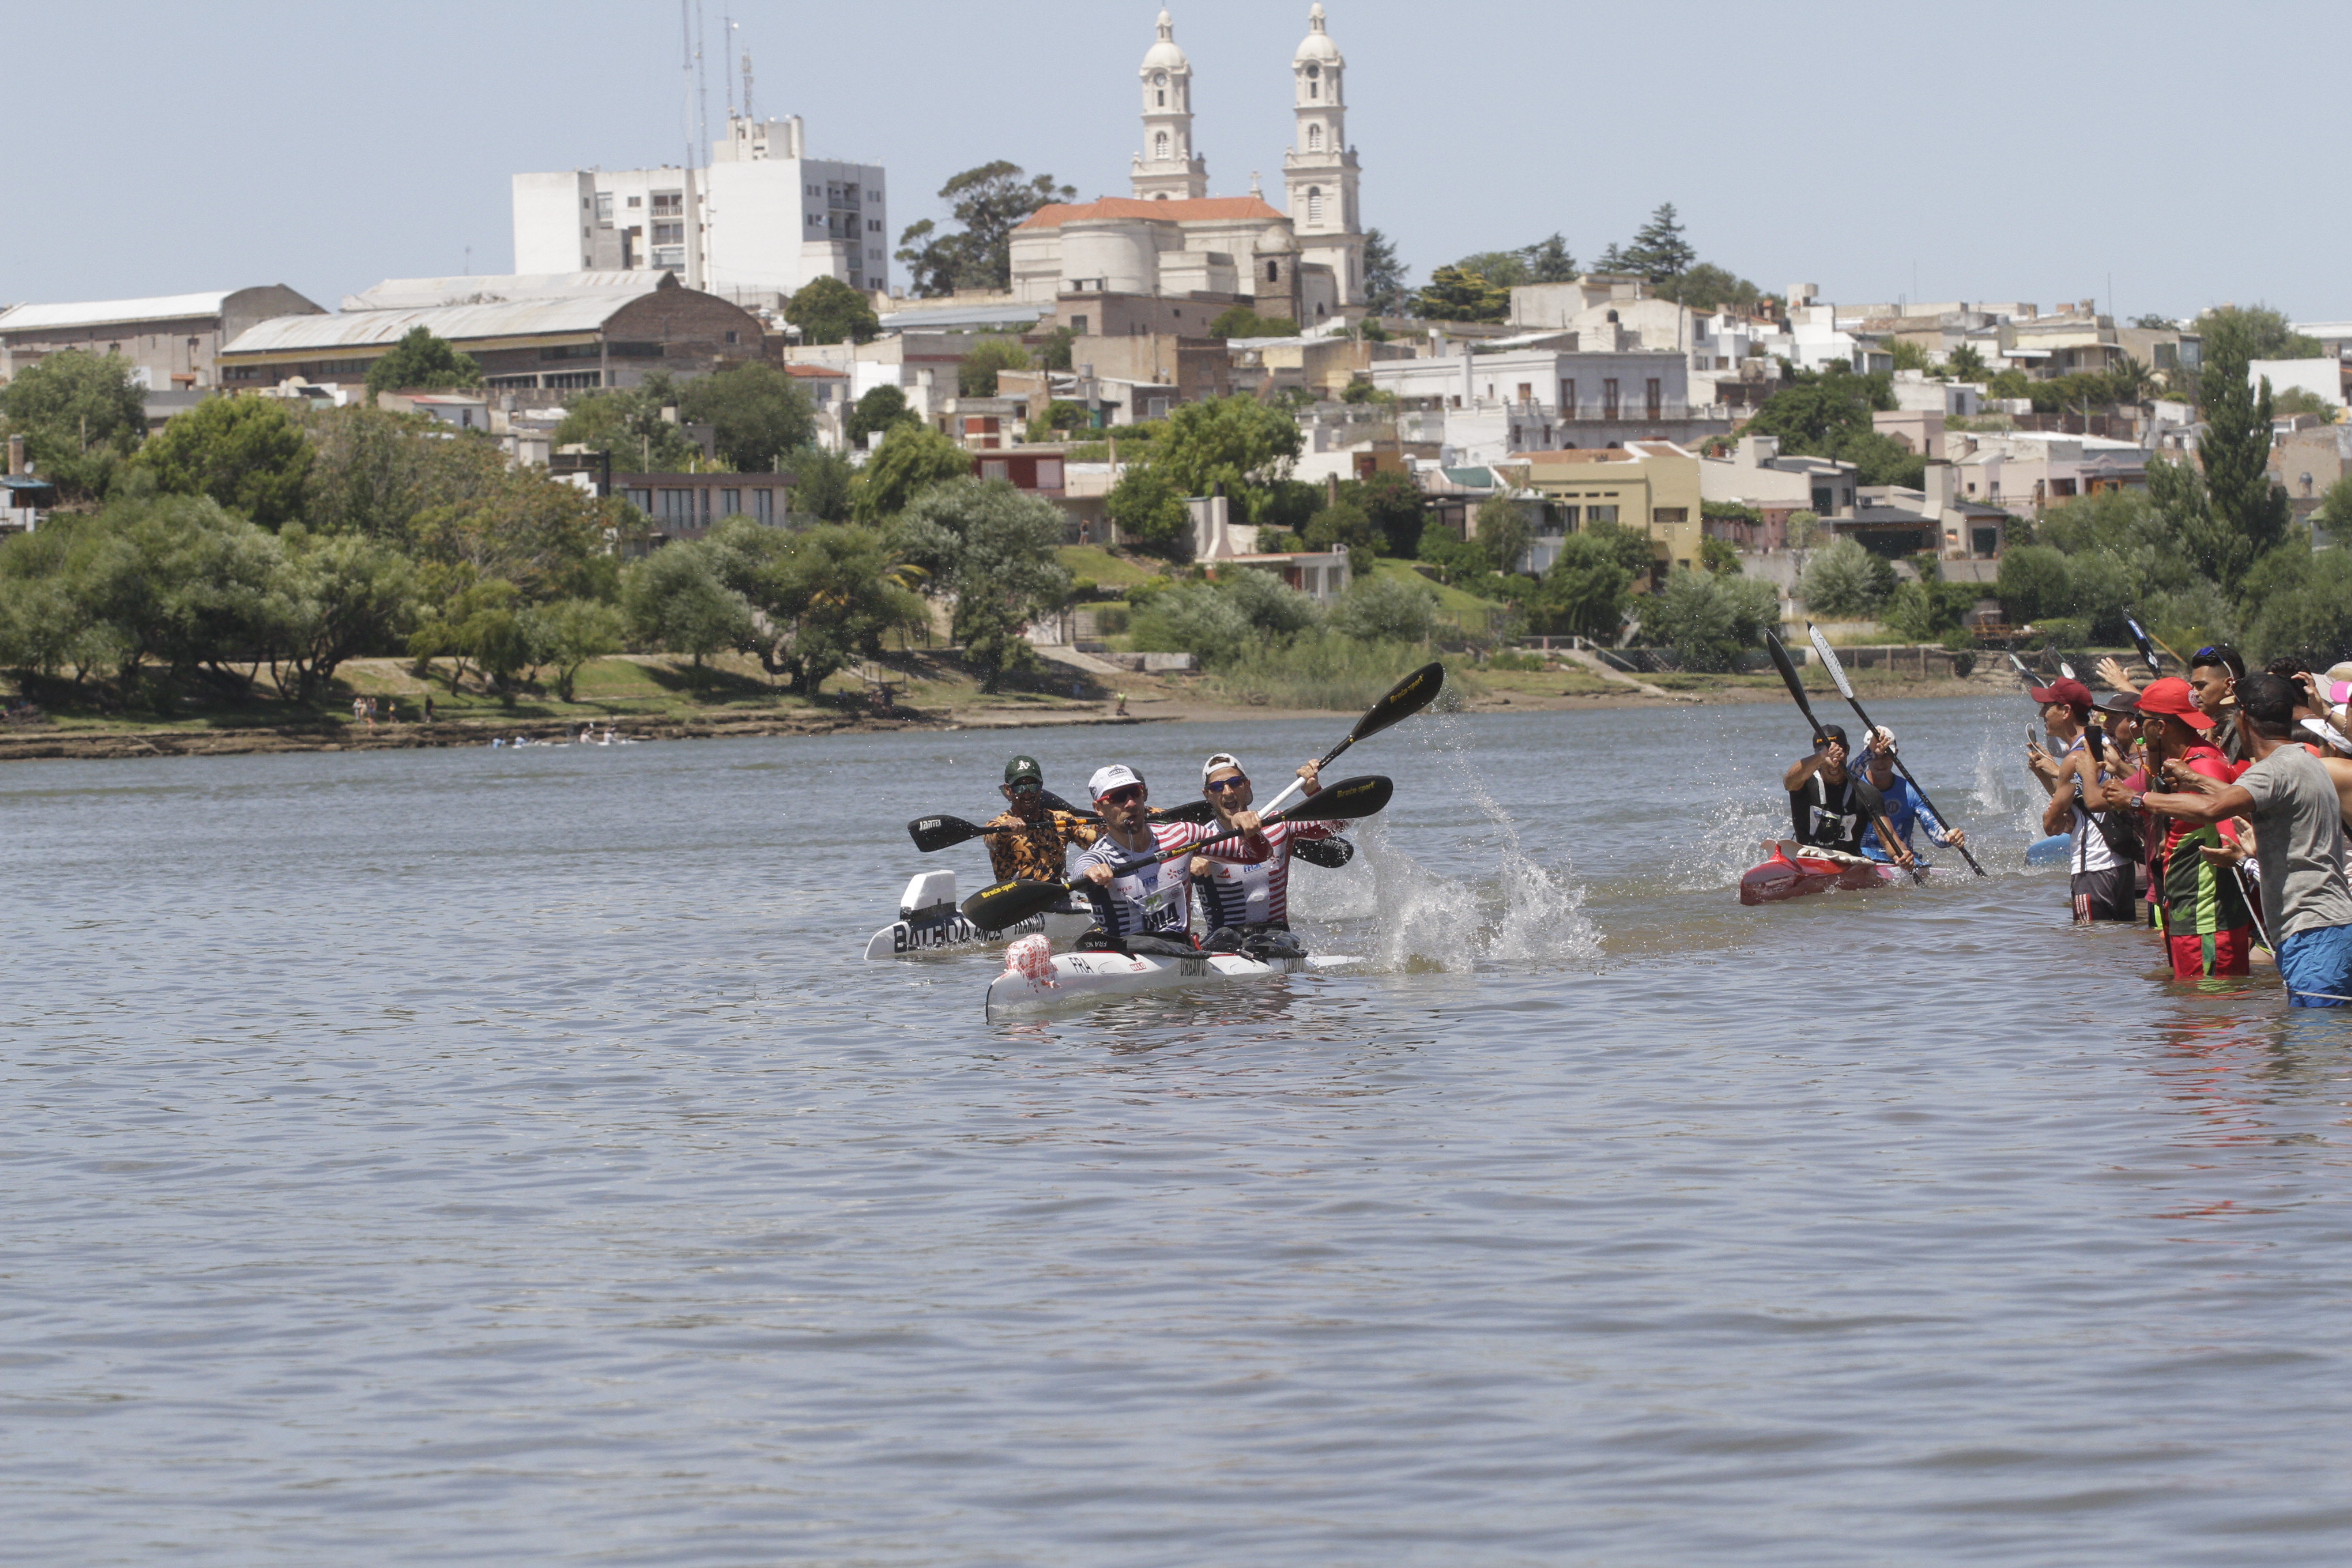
[
  {"x": 2200, "y": 907},
  {"x": 2065, "y": 712}
]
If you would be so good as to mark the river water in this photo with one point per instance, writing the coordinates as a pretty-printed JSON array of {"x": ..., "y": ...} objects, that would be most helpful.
[{"x": 504, "y": 1156}]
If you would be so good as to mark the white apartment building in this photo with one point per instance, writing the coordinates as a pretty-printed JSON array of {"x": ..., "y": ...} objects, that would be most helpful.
[
  {"x": 1544, "y": 399},
  {"x": 760, "y": 222}
]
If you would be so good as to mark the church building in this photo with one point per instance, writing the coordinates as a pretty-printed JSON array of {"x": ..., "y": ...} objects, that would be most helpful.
[{"x": 1171, "y": 238}]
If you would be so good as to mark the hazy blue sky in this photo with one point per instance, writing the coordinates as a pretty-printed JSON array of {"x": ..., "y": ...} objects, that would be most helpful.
[{"x": 1998, "y": 151}]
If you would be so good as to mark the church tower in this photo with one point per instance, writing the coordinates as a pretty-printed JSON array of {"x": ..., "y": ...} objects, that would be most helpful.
[
  {"x": 1321, "y": 170},
  {"x": 1167, "y": 168}
]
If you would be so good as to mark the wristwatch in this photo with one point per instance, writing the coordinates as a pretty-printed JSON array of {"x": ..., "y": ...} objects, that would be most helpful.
[{"x": 2139, "y": 801}]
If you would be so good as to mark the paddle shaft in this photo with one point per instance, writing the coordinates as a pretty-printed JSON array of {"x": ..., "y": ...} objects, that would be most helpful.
[{"x": 1400, "y": 703}]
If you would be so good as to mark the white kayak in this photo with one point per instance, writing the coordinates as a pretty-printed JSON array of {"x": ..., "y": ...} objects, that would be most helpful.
[
  {"x": 929, "y": 922},
  {"x": 1033, "y": 979}
]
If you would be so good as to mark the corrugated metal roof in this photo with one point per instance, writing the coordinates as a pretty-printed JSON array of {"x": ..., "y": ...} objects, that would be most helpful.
[
  {"x": 106, "y": 313},
  {"x": 457, "y": 323},
  {"x": 973, "y": 316},
  {"x": 430, "y": 293},
  {"x": 1208, "y": 209}
]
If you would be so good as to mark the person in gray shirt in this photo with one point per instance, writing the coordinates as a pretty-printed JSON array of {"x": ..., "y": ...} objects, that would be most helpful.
[{"x": 2291, "y": 800}]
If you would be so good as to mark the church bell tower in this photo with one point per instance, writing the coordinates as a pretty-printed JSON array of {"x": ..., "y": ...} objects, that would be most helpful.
[
  {"x": 1168, "y": 169},
  {"x": 1321, "y": 171}
]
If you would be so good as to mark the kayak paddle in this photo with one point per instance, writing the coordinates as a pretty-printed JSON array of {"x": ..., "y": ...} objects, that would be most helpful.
[
  {"x": 2024, "y": 674},
  {"x": 1328, "y": 853},
  {"x": 1845, "y": 690},
  {"x": 932, "y": 833},
  {"x": 1872, "y": 801},
  {"x": 1406, "y": 699},
  {"x": 1010, "y": 903},
  {"x": 2147, "y": 648}
]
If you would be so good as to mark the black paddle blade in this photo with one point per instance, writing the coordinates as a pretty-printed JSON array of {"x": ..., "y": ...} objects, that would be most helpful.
[
  {"x": 1867, "y": 793},
  {"x": 1198, "y": 812},
  {"x": 1328, "y": 853},
  {"x": 1010, "y": 903},
  {"x": 1406, "y": 699},
  {"x": 1788, "y": 669},
  {"x": 2147, "y": 648},
  {"x": 1056, "y": 803},
  {"x": 1343, "y": 801},
  {"x": 936, "y": 833}
]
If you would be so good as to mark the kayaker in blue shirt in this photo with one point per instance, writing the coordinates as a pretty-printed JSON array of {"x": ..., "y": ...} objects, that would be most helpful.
[{"x": 1905, "y": 811}]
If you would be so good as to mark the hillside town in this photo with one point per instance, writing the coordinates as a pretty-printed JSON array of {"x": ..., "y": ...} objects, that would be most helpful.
[{"x": 1645, "y": 459}]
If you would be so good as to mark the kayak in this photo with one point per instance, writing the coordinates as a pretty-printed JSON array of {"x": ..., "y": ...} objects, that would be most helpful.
[
  {"x": 929, "y": 922},
  {"x": 1798, "y": 869},
  {"x": 1033, "y": 977}
]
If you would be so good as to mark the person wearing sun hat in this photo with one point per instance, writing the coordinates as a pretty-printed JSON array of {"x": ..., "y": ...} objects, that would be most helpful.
[{"x": 2201, "y": 910}]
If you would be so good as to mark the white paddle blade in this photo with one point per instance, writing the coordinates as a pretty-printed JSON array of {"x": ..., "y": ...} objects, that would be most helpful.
[{"x": 1829, "y": 659}]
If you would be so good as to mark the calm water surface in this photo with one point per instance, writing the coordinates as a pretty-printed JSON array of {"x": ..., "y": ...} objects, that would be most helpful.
[{"x": 501, "y": 1156}]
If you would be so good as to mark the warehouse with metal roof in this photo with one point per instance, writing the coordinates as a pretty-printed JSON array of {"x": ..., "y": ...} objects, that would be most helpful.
[{"x": 171, "y": 341}]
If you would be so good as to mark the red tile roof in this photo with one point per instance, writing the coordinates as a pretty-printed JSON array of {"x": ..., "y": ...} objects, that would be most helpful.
[
  {"x": 816, "y": 370},
  {"x": 1211, "y": 209}
]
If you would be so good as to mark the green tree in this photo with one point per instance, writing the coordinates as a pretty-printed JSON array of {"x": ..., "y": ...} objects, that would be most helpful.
[
  {"x": 1241, "y": 321},
  {"x": 911, "y": 459},
  {"x": 421, "y": 362},
  {"x": 990, "y": 202},
  {"x": 1505, "y": 531},
  {"x": 1827, "y": 414},
  {"x": 1344, "y": 524},
  {"x": 2334, "y": 510},
  {"x": 1707, "y": 287},
  {"x": 1194, "y": 618},
  {"x": 631, "y": 424},
  {"x": 1236, "y": 441},
  {"x": 1500, "y": 269},
  {"x": 1398, "y": 510},
  {"x": 1708, "y": 620},
  {"x": 882, "y": 408},
  {"x": 566, "y": 635},
  {"x": 1453, "y": 295},
  {"x": 993, "y": 549},
  {"x": 2297, "y": 400},
  {"x": 81, "y": 415},
  {"x": 374, "y": 471},
  {"x": 829, "y": 311},
  {"x": 1659, "y": 251},
  {"x": 1149, "y": 512},
  {"x": 1054, "y": 351},
  {"x": 2035, "y": 583},
  {"x": 2300, "y": 603},
  {"x": 820, "y": 596},
  {"x": 344, "y": 595},
  {"x": 977, "y": 372},
  {"x": 246, "y": 453},
  {"x": 1386, "y": 279},
  {"x": 677, "y": 600},
  {"x": 545, "y": 539},
  {"x": 1591, "y": 582},
  {"x": 822, "y": 485},
  {"x": 1719, "y": 556},
  {"x": 1966, "y": 363},
  {"x": 755, "y": 412},
  {"x": 481, "y": 624},
  {"x": 1845, "y": 582},
  {"x": 2248, "y": 513},
  {"x": 1908, "y": 355},
  {"x": 2251, "y": 333},
  {"x": 1550, "y": 261}
]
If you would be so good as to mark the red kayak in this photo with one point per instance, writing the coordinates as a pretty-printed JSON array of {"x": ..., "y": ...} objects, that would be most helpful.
[{"x": 1797, "y": 869}]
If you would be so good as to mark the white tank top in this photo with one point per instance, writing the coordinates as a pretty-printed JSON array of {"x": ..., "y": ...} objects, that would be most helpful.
[{"x": 2090, "y": 851}]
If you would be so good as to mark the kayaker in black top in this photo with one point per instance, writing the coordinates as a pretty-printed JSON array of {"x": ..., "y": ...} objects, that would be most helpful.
[{"x": 1822, "y": 804}]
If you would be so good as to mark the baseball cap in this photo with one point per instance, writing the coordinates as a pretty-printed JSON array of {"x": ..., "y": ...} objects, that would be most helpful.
[
  {"x": 1837, "y": 732},
  {"x": 1023, "y": 768},
  {"x": 2122, "y": 704},
  {"x": 2172, "y": 698},
  {"x": 2073, "y": 693},
  {"x": 1118, "y": 775},
  {"x": 1221, "y": 760}
]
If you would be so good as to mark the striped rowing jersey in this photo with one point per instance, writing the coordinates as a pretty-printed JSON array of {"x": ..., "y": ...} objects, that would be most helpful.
[
  {"x": 1249, "y": 878},
  {"x": 1146, "y": 896}
]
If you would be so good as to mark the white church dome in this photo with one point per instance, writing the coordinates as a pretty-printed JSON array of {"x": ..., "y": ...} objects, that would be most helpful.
[
  {"x": 1165, "y": 55},
  {"x": 1319, "y": 44}
]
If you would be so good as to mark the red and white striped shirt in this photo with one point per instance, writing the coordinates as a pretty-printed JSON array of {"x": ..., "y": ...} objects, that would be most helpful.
[{"x": 1249, "y": 878}]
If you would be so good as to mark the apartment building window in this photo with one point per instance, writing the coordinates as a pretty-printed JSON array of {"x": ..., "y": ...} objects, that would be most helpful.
[
  {"x": 1567, "y": 516},
  {"x": 678, "y": 508},
  {"x": 1049, "y": 473},
  {"x": 1824, "y": 501},
  {"x": 1527, "y": 392},
  {"x": 1653, "y": 398},
  {"x": 763, "y": 507},
  {"x": 573, "y": 380},
  {"x": 1568, "y": 399},
  {"x": 669, "y": 204},
  {"x": 669, "y": 234},
  {"x": 642, "y": 499},
  {"x": 636, "y": 201},
  {"x": 729, "y": 502},
  {"x": 995, "y": 469},
  {"x": 1609, "y": 398},
  {"x": 604, "y": 209},
  {"x": 1600, "y": 514},
  {"x": 1670, "y": 514},
  {"x": 1078, "y": 326}
]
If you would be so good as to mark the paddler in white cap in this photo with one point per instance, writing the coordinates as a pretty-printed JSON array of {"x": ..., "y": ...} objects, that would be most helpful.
[
  {"x": 1245, "y": 883},
  {"x": 1141, "y": 905}
]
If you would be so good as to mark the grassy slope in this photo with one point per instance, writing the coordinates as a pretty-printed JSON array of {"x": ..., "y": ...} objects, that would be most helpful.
[{"x": 1098, "y": 564}]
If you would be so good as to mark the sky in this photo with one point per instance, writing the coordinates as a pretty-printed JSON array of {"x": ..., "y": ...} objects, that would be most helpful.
[{"x": 2157, "y": 156}]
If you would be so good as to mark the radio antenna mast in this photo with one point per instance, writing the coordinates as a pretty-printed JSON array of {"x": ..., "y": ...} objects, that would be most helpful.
[
  {"x": 701, "y": 96},
  {"x": 747, "y": 84}
]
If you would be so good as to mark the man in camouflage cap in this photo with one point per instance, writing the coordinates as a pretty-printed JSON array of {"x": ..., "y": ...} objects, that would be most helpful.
[{"x": 1031, "y": 841}]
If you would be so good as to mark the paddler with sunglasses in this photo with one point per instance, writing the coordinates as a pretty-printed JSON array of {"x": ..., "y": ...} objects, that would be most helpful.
[
  {"x": 1143, "y": 904},
  {"x": 1032, "y": 840},
  {"x": 1245, "y": 883}
]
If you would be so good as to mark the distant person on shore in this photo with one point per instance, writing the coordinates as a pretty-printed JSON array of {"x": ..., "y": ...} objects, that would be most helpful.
[
  {"x": 1905, "y": 811},
  {"x": 1822, "y": 810},
  {"x": 1030, "y": 841},
  {"x": 2200, "y": 910},
  {"x": 2298, "y": 813},
  {"x": 428, "y": 708},
  {"x": 1121, "y": 711}
]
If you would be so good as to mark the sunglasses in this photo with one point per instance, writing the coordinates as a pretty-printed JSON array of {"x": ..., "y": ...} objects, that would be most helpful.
[
  {"x": 1224, "y": 786},
  {"x": 1126, "y": 794},
  {"x": 1026, "y": 786}
]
